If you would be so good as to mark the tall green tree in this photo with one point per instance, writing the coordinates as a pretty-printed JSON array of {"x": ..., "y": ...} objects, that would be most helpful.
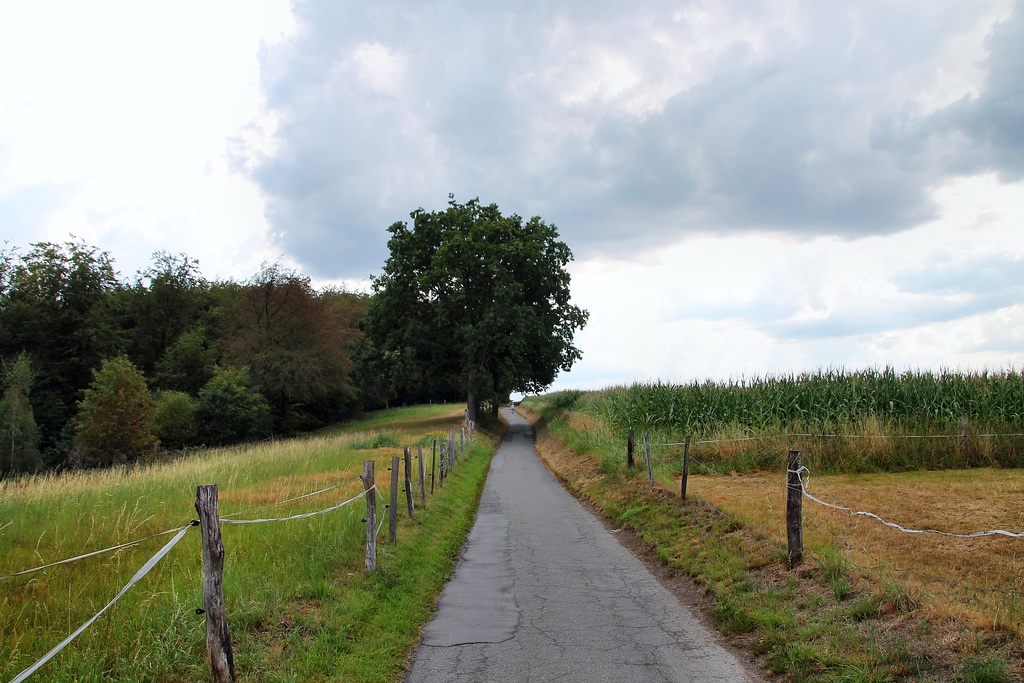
[
  {"x": 59, "y": 303},
  {"x": 19, "y": 436},
  {"x": 293, "y": 339},
  {"x": 472, "y": 296},
  {"x": 167, "y": 300},
  {"x": 113, "y": 418}
]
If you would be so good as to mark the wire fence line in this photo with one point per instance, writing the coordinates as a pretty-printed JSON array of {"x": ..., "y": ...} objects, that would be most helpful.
[
  {"x": 680, "y": 464},
  {"x": 220, "y": 519},
  {"x": 152, "y": 562},
  {"x": 976, "y": 534},
  {"x": 224, "y": 518},
  {"x": 812, "y": 435}
]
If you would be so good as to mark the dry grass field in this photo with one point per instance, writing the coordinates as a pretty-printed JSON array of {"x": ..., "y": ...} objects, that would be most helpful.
[{"x": 956, "y": 576}]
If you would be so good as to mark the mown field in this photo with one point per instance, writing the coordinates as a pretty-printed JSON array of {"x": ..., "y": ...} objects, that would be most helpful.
[
  {"x": 870, "y": 602},
  {"x": 299, "y": 603}
]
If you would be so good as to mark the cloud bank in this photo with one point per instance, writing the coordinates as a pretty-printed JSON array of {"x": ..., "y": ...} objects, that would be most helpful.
[{"x": 632, "y": 126}]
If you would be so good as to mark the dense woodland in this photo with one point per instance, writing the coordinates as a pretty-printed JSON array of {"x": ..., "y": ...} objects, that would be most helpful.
[{"x": 97, "y": 369}]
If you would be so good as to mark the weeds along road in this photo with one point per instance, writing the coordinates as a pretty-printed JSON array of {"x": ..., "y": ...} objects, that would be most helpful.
[{"x": 543, "y": 592}]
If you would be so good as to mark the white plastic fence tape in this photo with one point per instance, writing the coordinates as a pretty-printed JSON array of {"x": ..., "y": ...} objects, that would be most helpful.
[
  {"x": 976, "y": 534},
  {"x": 95, "y": 552},
  {"x": 302, "y": 516},
  {"x": 135, "y": 579},
  {"x": 282, "y": 502}
]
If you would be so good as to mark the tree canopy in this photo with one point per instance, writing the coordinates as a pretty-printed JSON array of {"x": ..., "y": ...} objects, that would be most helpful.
[{"x": 470, "y": 294}]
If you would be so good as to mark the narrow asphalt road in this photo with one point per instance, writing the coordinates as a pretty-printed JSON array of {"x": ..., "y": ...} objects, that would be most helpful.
[{"x": 542, "y": 592}]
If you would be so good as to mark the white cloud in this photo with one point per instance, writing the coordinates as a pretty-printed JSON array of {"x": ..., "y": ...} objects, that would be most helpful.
[
  {"x": 949, "y": 293},
  {"x": 128, "y": 109}
]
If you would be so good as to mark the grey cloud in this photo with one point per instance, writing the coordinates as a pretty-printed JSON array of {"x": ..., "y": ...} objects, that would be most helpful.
[
  {"x": 799, "y": 133},
  {"x": 974, "y": 134},
  {"x": 936, "y": 293}
]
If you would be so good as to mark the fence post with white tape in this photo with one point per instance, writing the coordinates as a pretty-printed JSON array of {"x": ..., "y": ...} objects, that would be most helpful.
[
  {"x": 371, "y": 515},
  {"x": 794, "y": 509},
  {"x": 218, "y": 638}
]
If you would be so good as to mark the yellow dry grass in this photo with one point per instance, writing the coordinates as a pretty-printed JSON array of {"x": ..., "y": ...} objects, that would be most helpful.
[{"x": 959, "y": 577}]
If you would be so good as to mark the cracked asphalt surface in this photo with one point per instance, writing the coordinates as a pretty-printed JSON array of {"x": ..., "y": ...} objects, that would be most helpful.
[{"x": 542, "y": 592}]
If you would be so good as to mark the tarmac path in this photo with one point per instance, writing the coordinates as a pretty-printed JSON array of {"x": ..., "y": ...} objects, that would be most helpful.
[{"x": 542, "y": 592}]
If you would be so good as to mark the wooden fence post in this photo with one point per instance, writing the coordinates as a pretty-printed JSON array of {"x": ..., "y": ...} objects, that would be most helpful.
[
  {"x": 794, "y": 509},
  {"x": 686, "y": 467},
  {"x": 462, "y": 441},
  {"x": 393, "y": 507},
  {"x": 647, "y": 450},
  {"x": 218, "y": 638},
  {"x": 423, "y": 491},
  {"x": 630, "y": 445},
  {"x": 963, "y": 437},
  {"x": 371, "y": 515},
  {"x": 408, "y": 481},
  {"x": 433, "y": 466}
]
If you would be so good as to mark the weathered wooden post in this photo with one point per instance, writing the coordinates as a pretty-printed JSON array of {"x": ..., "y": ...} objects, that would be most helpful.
[
  {"x": 451, "y": 451},
  {"x": 218, "y": 638},
  {"x": 647, "y": 450},
  {"x": 423, "y": 490},
  {"x": 963, "y": 437},
  {"x": 630, "y": 445},
  {"x": 686, "y": 467},
  {"x": 794, "y": 509},
  {"x": 371, "y": 515},
  {"x": 393, "y": 507},
  {"x": 433, "y": 466},
  {"x": 462, "y": 441},
  {"x": 408, "y": 481}
]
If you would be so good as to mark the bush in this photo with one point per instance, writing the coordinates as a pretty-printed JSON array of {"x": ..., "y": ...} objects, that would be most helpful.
[
  {"x": 113, "y": 418},
  {"x": 230, "y": 411},
  {"x": 174, "y": 420}
]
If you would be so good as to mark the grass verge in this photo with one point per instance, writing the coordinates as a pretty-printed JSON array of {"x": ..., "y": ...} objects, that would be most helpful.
[
  {"x": 818, "y": 621},
  {"x": 300, "y": 606}
]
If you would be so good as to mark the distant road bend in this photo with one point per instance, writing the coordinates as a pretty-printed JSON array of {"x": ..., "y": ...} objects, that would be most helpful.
[{"x": 543, "y": 592}]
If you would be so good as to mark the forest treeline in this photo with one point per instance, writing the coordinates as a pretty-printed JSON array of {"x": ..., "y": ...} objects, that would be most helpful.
[{"x": 98, "y": 370}]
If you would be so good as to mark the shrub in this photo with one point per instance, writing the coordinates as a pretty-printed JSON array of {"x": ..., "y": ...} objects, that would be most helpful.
[
  {"x": 113, "y": 418},
  {"x": 174, "y": 420},
  {"x": 230, "y": 411}
]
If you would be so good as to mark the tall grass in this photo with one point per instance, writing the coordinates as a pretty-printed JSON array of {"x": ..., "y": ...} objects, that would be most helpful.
[
  {"x": 885, "y": 406},
  {"x": 281, "y": 579}
]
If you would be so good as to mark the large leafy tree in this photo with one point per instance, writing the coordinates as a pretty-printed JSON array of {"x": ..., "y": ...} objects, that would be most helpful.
[
  {"x": 472, "y": 296},
  {"x": 293, "y": 339},
  {"x": 58, "y": 302},
  {"x": 169, "y": 299}
]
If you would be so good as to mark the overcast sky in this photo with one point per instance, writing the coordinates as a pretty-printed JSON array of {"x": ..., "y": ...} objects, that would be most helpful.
[{"x": 749, "y": 188}]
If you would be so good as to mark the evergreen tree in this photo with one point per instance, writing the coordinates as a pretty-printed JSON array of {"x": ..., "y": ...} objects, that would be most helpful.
[{"x": 19, "y": 436}]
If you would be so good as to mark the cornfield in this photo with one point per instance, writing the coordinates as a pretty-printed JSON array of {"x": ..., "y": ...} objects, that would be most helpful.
[{"x": 872, "y": 420}]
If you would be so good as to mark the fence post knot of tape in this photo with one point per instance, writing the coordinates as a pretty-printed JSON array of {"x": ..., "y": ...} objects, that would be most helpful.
[{"x": 804, "y": 485}]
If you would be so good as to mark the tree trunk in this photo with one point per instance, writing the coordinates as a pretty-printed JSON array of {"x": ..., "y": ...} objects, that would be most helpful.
[{"x": 471, "y": 406}]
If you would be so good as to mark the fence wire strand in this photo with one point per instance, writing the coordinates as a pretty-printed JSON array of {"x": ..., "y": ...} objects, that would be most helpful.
[
  {"x": 976, "y": 534},
  {"x": 301, "y": 516},
  {"x": 135, "y": 579},
  {"x": 92, "y": 554}
]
